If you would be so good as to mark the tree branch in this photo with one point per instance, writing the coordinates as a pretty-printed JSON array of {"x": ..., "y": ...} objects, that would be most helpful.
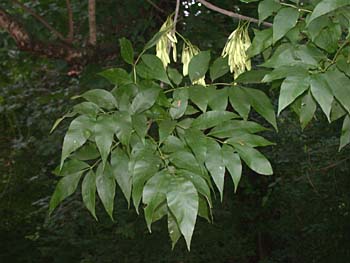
[
  {"x": 70, "y": 36},
  {"x": 155, "y": 6},
  {"x": 92, "y": 23},
  {"x": 41, "y": 20},
  {"x": 176, "y": 16},
  {"x": 232, "y": 14},
  {"x": 26, "y": 43}
]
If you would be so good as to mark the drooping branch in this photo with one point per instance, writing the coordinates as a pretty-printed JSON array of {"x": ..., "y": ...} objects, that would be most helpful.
[
  {"x": 70, "y": 22},
  {"x": 232, "y": 14},
  {"x": 41, "y": 20},
  {"x": 92, "y": 23}
]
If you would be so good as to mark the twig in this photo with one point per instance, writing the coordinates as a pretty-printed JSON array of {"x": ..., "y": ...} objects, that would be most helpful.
[
  {"x": 156, "y": 7},
  {"x": 92, "y": 22},
  {"x": 176, "y": 16},
  {"x": 232, "y": 14},
  {"x": 42, "y": 20},
  {"x": 70, "y": 21}
]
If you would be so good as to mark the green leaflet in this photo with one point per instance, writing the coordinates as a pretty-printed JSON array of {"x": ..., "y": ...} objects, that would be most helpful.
[
  {"x": 78, "y": 132},
  {"x": 212, "y": 118},
  {"x": 239, "y": 101},
  {"x": 248, "y": 139},
  {"x": 215, "y": 165},
  {"x": 254, "y": 159},
  {"x": 291, "y": 88},
  {"x": 261, "y": 41},
  {"x": 340, "y": 86},
  {"x": 173, "y": 229},
  {"x": 232, "y": 163},
  {"x": 322, "y": 93},
  {"x": 144, "y": 100},
  {"x": 284, "y": 21},
  {"x": 65, "y": 187},
  {"x": 174, "y": 75},
  {"x": 154, "y": 194},
  {"x": 308, "y": 109},
  {"x": 87, "y": 108},
  {"x": 120, "y": 170},
  {"x": 105, "y": 128},
  {"x": 179, "y": 105},
  {"x": 88, "y": 192},
  {"x": 143, "y": 165},
  {"x": 261, "y": 103},
  {"x": 219, "y": 68},
  {"x": 197, "y": 141},
  {"x": 182, "y": 199},
  {"x": 105, "y": 185},
  {"x": 116, "y": 76},
  {"x": 126, "y": 50},
  {"x": 229, "y": 128},
  {"x": 266, "y": 8},
  {"x": 166, "y": 127},
  {"x": 199, "y": 65},
  {"x": 326, "y": 6},
  {"x": 102, "y": 98},
  {"x": 199, "y": 96},
  {"x": 345, "y": 133}
]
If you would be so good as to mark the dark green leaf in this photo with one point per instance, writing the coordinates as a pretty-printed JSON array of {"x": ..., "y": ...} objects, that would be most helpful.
[
  {"x": 345, "y": 133},
  {"x": 261, "y": 41},
  {"x": 212, "y": 118},
  {"x": 219, "y": 68},
  {"x": 88, "y": 192},
  {"x": 284, "y": 21},
  {"x": 116, "y": 76},
  {"x": 254, "y": 159},
  {"x": 199, "y": 96},
  {"x": 174, "y": 75},
  {"x": 239, "y": 101},
  {"x": 199, "y": 65},
  {"x": 182, "y": 199},
  {"x": 126, "y": 50},
  {"x": 144, "y": 100},
  {"x": 308, "y": 109},
  {"x": 229, "y": 128},
  {"x": 87, "y": 108},
  {"x": 326, "y": 6},
  {"x": 215, "y": 165},
  {"x": 105, "y": 185},
  {"x": 291, "y": 88},
  {"x": 233, "y": 164},
  {"x": 102, "y": 98},
  {"x": 179, "y": 105},
  {"x": 322, "y": 93},
  {"x": 120, "y": 169},
  {"x": 65, "y": 187},
  {"x": 78, "y": 133},
  {"x": 173, "y": 228},
  {"x": 266, "y": 8},
  {"x": 166, "y": 127}
]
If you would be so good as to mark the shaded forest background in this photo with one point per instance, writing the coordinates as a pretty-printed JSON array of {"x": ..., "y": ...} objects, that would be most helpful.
[{"x": 300, "y": 214}]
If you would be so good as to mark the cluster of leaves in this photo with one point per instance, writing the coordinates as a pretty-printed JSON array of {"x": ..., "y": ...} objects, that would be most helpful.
[
  {"x": 164, "y": 141},
  {"x": 307, "y": 49}
]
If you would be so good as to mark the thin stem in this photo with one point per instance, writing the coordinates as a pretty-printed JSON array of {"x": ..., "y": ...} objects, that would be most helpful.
[
  {"x": 232, "y": 14},
  {"x": 92, "y": 23}
]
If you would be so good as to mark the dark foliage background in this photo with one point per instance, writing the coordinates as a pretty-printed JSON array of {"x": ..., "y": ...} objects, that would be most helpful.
[{"x": 300, "y": 214}]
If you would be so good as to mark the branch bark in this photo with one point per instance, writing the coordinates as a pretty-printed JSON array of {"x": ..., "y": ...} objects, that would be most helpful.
[
  {"x": 232, "y": 14},
  {"x": 41, "y": 20},
  {"x": 26, "y": 43},
  {"x": 92, "y": 23},
  {"x": 70, "y": 22}
]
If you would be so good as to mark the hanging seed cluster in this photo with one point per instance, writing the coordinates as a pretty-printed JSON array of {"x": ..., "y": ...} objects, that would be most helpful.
[
  {"x": 235, "y": 48},
  {"x": 188, "y": 52},
  {"x": 167, "y": 42}
]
